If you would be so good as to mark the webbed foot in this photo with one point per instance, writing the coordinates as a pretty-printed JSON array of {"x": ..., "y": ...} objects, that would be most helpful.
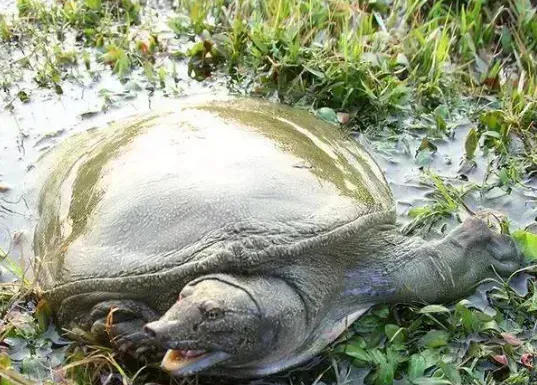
[
  {"x": 120, "y": 324},
  {"x": 481, "y": 239}
]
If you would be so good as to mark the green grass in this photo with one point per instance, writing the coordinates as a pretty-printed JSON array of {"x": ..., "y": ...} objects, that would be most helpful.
[
  {"x": 365, "y": 65},
  {"x": 370, "y": 59}
]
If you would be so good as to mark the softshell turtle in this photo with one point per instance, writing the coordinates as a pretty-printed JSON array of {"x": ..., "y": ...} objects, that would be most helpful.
[{"x": 240, "y": 237}]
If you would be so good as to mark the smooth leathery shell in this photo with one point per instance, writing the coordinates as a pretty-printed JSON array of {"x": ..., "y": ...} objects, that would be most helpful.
[{"x": 144, "y": 193}]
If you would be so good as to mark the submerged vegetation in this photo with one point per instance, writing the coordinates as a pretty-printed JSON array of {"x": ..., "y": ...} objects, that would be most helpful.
[{"x": 386, "y": 68}]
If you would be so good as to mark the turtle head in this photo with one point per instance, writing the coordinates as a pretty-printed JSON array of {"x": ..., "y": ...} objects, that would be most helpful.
[{"x": 232, "y": 322}]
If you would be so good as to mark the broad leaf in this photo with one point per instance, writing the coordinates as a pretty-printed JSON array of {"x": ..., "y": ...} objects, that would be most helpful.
[
  {"x": 434, "y": 309},
  {"x": 527, "y": 242},
  {"x": 435, "y": 338}
]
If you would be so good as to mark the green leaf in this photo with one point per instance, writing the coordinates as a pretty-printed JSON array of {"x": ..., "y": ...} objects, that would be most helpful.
[
  {"x": 531, "y": 303},
  {"x": 377, "y": 356},
  {"x": 43, "y": 314},
  {"x": 527, "y": 242},
  {"x": 327, "y": 114},
  {"x": 504, "y": 177},
  {"x": 492, "y": 120},
  {"x": 315, "y": 72},
  {"x": 5, "y": 29},
  {"x": 430, "y": 381},
  {"x": 491, "y": 325},
  {"x": 5, "y": 361},
  {"x": 162, "y": 73},
  {"x": 117, "y": 57},
  {"x": 356, "y": 352},
  {"x": 440, "y": 122},
  {"x": 424, "y": 158},
  {"x": 426, "y": 144},
  {"x": 416, "y": 366},
  {"x": 395, "y": 333},
  {"x": 385, "y": 368},
  {"x": 93, "y": 4},
  {"x": 492, "y": 134},
  {"x": 506, "y": 40},
  {"x": 435, "y": 338},
  {"x": 23, "y": 96},
  {"x": 434, "y": 309},
  {"x": 451, "y": 372},
  {"x": 382, "y": 312},
  {"x": 122, "y": 64},
  {"x": 470, "y": 144},
  {"x": 469, "y": 320},
  {"x": 431, "y": 357},
  {"x": 385, "y": 373},
  {"x": 417, "y": 211}
]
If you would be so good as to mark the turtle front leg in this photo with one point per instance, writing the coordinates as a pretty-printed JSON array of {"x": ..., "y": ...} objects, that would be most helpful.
[
  {"x": 451, "y": 268},
  {"x": 120, "y": 323}
]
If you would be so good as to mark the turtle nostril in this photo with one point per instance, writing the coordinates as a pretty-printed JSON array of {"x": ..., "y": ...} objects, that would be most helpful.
[{"x": 150, "y": 332}]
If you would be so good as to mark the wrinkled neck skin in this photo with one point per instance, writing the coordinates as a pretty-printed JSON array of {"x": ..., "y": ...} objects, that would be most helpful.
[
  {"x": 338, "y": 295},
  {"x": 403, "y": 269},
  {"x": 382, "y": 251}
]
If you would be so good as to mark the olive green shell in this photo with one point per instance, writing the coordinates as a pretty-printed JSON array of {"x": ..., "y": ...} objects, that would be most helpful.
[{"x": 171, "y": 188}]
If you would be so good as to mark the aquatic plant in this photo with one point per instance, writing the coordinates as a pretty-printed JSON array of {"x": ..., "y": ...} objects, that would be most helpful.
[{"x": 385, "y": 68}]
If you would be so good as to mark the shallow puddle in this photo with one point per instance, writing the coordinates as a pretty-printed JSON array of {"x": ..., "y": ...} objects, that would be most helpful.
[
  {"x": 404, "y": 171},
  {"x": 28, "y": 130},
  {"x": 32, "y": 129}
]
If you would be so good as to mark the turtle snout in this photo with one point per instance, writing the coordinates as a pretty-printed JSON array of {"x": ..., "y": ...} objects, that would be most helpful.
[
  {"x": 154, "y": 330},
  {"x": 164, "y": 333}
]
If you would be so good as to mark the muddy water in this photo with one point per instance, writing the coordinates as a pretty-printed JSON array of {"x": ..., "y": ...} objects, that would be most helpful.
[
  {"x": 404, "y": 171},
  {"x": 29, "y": 130},
  {"x": 32, "y": 129}
]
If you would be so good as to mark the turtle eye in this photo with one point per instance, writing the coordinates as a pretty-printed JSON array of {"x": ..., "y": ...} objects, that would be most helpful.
[{"x": 213, "y": 314}]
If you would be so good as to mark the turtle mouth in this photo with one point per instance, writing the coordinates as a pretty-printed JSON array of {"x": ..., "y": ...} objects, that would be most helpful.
[{"x": 184, "y": 362}]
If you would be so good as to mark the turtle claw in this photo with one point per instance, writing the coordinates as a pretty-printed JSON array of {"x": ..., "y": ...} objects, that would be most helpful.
[
  {"x": 120, "y": 323},
  {"x": 123, "y": 345},
  {"x": 135, "y": 344},
  {"x": 482, "y": 234},
  {"x": 148, "y": 353},
  {"x": 142, "y": 351}
]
